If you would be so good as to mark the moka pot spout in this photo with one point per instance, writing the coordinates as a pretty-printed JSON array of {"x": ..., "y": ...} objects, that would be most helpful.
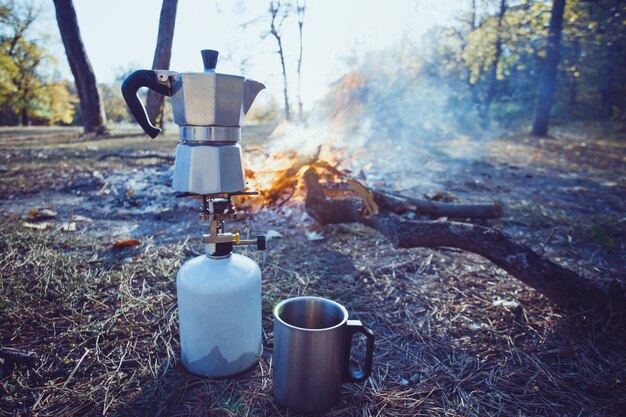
[{"x": 250, "y": 90}]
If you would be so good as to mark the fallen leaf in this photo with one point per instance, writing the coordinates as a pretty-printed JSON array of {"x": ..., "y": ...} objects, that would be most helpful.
[
  {"x": 272, "y": 234},
  {"x": 36, "y": 214},
  {"x": 313, "y": 235},
  {"x": 126, "y": 243},
  {"x": 505, "y": 303},
  {"x": 78, "y": 218},
  {"x": 609, "y": 184},
  {"x": 37, "y": 226}
]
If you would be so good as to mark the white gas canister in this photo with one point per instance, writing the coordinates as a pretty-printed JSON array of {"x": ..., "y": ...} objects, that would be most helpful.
[{"x": 219, "y": 309}]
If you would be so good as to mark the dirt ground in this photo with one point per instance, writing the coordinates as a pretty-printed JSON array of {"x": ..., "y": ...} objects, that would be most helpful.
[{"x": 455, "y": 335}]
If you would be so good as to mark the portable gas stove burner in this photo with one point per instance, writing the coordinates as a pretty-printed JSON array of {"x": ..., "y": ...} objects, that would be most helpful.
[{"x": 219, "y": 294}]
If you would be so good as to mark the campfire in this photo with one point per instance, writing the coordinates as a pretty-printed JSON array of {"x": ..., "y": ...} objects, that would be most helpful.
[
  {"x": 323, "y": 180},
  {"x": 277, "y": 173}
]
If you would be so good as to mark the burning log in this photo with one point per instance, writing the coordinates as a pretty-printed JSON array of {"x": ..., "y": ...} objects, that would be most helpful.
[
  {"x": 288, "y": 180},
  {"x": 562, "y": 286}
]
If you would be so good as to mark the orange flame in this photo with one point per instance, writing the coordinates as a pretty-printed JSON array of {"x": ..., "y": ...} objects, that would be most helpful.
[{"x": 276, "y": 175}]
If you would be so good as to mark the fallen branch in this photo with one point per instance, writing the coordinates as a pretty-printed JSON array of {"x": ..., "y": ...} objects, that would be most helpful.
[
  {"x": 135, "y": 156},
  {"x": 18, "y": 356},
  {"x": 400, "y": 204},
  {"x": 562, "y": 286}
]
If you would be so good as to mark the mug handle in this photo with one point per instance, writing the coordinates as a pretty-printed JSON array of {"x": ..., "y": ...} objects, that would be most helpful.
[{"x": 355, "y": 326}]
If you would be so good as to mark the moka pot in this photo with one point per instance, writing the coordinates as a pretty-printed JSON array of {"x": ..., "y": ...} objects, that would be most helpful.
[{"x": 209, "y": 109}]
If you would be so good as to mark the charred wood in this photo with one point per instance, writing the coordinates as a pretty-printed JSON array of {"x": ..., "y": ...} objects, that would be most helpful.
[
  {"x": 564, "y": 287},
  {"x": 18, "y": 356},
  {"x": 400, "y": 204}
]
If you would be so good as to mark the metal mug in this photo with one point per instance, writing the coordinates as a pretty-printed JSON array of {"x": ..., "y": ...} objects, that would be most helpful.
[{"x": 311, "y": 358}]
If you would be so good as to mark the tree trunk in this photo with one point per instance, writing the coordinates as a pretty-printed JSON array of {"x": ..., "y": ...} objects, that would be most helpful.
[
  {"x": 547, "y": 80},
  {"x": 564, "y": 287},
  {"x": 573, "y": 93},
  {"x": 473, "y": 16},
  {"x": 285, "y": 90},
  {"x": 162, "y": 57},
  {"x": 607, "y": 82},
  {"x": 493, "y": 74},
  {"x": 24, "y": 116},
  {"x": 300, "y": 10},
  {"x": 612, "y": 40},
  {"x": 94, "y": 118},
  {"x": 274, "y": 8}
]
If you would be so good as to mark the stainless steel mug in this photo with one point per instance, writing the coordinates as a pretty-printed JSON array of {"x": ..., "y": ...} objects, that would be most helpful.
[{"x": 311, "y": 358}]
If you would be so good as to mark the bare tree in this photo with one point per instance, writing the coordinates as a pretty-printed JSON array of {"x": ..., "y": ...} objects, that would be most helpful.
[
  {"x": 547, "y": 80},
  {"x": 300, "y": 9},
  {"x": 473, "y": 24},
  {"x": 162, "y": 57},
  {"x": 94, "y": 119},
  {"x": 280, "y": 12}
]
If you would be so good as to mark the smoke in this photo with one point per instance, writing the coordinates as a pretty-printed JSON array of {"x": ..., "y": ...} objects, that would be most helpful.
[{"x": 392, "y": 118}]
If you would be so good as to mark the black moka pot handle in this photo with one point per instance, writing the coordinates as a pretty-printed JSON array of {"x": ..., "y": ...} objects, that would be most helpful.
[
  {"x": 355, "y": 326},
  {"x": 130, "y": 86}
]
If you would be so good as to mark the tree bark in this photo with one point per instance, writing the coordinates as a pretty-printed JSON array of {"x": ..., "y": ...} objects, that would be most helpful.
[
  {"x": 162, "y": 57},
  {"x": 547, "y": 80},
  {"x": 562, "y": 286},
  {"x": 94, "y": 119},
  {"x": 24, "y": 116}
]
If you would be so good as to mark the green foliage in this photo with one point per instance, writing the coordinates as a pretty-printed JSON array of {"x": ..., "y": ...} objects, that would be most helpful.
[
  {"x": 602, "y": 237},
  {"x": 265, "y": 111},
  {"x": 27, "y": 94},
  {"x": 114, "y": 104},
  {"x": 488, "y": 68}
]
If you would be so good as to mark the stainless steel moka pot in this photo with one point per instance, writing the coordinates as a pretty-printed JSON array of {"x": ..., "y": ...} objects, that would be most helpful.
[{"x": 209, "y": 108}]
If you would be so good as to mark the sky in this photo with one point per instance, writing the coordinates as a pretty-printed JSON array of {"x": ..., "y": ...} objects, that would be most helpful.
[{"x": 121, "y": 34}]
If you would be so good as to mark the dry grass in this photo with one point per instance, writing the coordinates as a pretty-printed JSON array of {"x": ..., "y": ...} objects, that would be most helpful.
[{"x": 105, "y": 327}]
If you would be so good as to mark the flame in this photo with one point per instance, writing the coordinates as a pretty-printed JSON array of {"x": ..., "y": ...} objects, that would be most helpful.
[
  {"x": 274, "y": 169},
  {"x": 276, "y": 176}
]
